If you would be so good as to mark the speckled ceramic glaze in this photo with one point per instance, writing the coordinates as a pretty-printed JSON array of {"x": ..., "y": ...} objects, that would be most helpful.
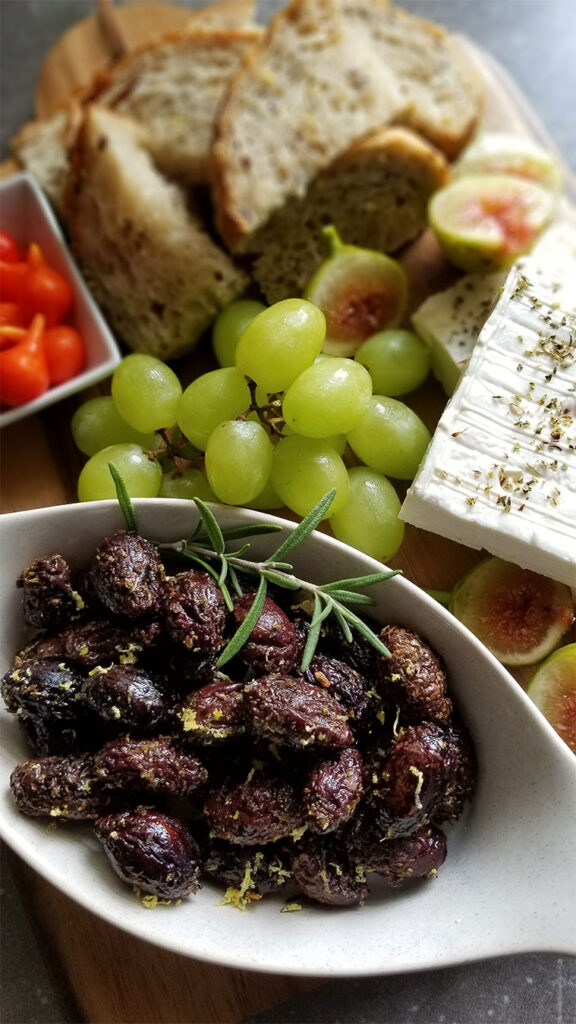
[
  {"x": 28, "y": 217},
  {"x": 508, "y": 884}
]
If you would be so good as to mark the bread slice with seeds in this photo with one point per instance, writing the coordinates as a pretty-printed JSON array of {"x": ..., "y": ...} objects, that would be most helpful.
[
  {"x": 148, "y": 258},
  {"x": 376, "y": 195},
  {"x": 174, "y": 88}
]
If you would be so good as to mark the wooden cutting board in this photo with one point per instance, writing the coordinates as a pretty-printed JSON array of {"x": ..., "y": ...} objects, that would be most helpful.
[{"x": 110, "y": 975}]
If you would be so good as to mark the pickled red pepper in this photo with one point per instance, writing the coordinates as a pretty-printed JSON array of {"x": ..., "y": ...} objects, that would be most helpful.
[{"x": 37, "y": 348}]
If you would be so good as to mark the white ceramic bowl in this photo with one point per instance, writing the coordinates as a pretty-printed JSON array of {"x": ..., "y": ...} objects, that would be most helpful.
[
  {"x": 27, "y": 215},
  {"x": 508, "y": 884}
]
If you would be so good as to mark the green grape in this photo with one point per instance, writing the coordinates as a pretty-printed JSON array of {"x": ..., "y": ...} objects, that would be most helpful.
[
  {"x": 187, "y": 483},
  {"x": 304, "y": 469},
  {"x": 146, "y": 392},
  {"x": 281, "y": 342},
  {"x": 238, "y": 461},
  {"x": 330, "y": 397},
  {"x": 228, "y": 327},
  {"x": 267, "y": 499},
  {"x": 390, "y": 437},
  {"x": 142, "y": 476},
  {"x": 398, "y": 361},
  {"x": 215, "y": 396},
  {"x": 97, "y": 424},
  {"x": 369, "y": 518}
]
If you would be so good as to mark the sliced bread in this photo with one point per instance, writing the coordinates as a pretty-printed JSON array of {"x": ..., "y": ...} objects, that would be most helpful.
[
  {"x": 376, "y": 195},
  {"x": 174, "y": 88},
  {"x": 41, "y": 147},
  {"x": 441, "y": 89},
  {"x": 326, "y": 73},
  {"x": 148, "y": 259},
  {"x": 302, "y": 96}
]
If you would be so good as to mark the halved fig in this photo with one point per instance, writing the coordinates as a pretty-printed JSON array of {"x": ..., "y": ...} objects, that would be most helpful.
[
  {"x": 518, "y": 615},
  {"x": 506, "y": 153},
  {"x": 553, "y": 690},
  {"x": 360, "y": 292},
  {"x": 485, "y": 221}
]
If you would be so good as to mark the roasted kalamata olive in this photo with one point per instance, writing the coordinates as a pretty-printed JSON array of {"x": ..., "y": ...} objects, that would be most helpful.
[
  {"x": 212, "y": 713},
  {"x": 333, "y": 790},
  {"x": 287, "y": 709},
  {"x": 48, "y": 597},
  {"x": 413, "y": 778},
  {"x": 262, "y": 809},
  {"x": 152, "y": 851},
  {"x": 342, "y": 682},
  {"x": 272, "y": 645},
  {"x": 194, "y": 611},
  {"x": 58, "y": 787},
  {"x": 248, "y": 872},
  {"x": 154, "y": 765},
  {"x": 325, "y": 873},
  {"x": 126, "y": 575},
  {"x": 47, "y": 689},
  {"x": 413, "y": 678},
  {"x": 99, "y": 642},
  {"x": 126, "y": 696}
]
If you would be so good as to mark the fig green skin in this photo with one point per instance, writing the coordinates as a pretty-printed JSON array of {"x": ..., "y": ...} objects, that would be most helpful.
[
  {"x": 518, "y": 615},
  {"x": 484, "y": 222},
  {"x": 553, "y": 690},
  {"x": 360, "y": 291}
]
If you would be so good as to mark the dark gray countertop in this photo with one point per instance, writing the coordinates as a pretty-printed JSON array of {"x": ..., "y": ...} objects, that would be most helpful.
[{"x": 536, "y": 41}]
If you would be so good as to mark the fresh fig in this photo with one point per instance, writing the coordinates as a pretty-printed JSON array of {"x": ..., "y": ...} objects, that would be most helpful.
[
  {"x": 506, "y": 153},
  {"x": 485, "y": 221},
  {"x": 360, "y": 292},
  {"x": 518, "y": 615},
  {"x": 553, "y": 690}
]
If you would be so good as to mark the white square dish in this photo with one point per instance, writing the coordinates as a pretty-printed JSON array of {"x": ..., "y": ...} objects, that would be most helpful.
[
  {"x": 508, "y": 884},
  {"x": 26, "y": 214}
]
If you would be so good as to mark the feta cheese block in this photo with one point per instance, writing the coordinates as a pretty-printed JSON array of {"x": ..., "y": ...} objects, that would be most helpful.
[
  {"x": 450, "y": 321},
  {"x": 500, "y": 472}
]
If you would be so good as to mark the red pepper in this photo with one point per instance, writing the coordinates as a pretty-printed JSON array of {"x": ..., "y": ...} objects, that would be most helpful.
[
  {"x": 12, "y": 278},
  {"x": 11, "y": 315},
  {"x": 23, "y": 371}
]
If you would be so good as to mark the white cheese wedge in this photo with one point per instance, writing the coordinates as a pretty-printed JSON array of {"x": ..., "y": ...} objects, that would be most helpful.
[
  {"x": 450, "y": 321},
  {"x": 500, "y": 472}
]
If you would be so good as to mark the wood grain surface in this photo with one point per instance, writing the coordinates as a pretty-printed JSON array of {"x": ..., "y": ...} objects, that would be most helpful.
[{"x": 113, "y": 976}]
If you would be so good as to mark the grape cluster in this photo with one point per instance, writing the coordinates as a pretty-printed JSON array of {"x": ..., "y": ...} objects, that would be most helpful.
[{"x": 278, "y": 424}]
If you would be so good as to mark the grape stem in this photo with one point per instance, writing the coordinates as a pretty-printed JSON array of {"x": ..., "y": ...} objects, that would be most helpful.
[{"x": 270, "y": 415}]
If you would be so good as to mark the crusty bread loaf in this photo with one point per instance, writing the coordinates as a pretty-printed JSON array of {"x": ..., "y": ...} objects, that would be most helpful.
[
  {"x": 376, "y": 195},
  {"x": 173, "y": 88},
  {"x": 150, "y": 263},
  {"x": 326, "y": 73}
]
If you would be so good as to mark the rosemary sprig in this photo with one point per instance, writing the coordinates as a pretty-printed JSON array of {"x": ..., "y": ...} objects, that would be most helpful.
[
  {"x": 207, "y": 547},
  {"x": 329, "y": 598}
]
